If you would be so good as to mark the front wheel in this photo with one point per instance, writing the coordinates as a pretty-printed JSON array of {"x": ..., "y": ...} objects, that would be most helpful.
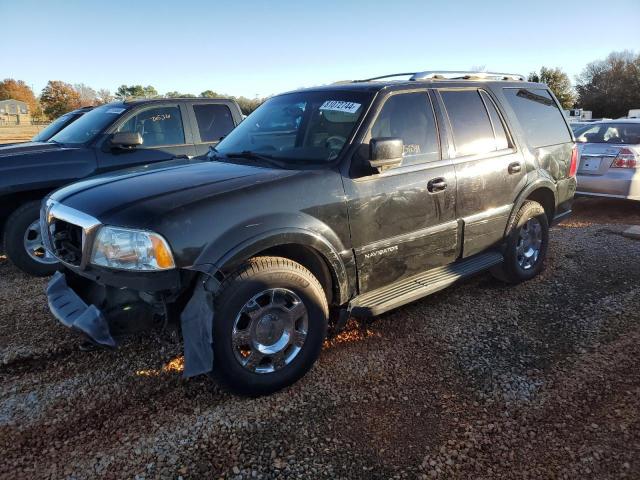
[
  {"x": 270, "y": 321},
  {"x": 526, "y": 246},
  {"x": 23, "y": 242}
]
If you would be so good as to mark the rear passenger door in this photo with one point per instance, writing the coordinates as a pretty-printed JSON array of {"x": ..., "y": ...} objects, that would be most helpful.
[
  {"x": 163, "y": 132},
  {"x": 211, "y": 122},
  {"x": 490, "y": 171},
  {"x": 402, "y": 219}
]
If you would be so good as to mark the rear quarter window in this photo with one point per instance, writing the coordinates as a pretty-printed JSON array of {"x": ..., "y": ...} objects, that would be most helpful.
[
  {"x": 539, "y": 116},
  {"x": 214, "y": 121}
]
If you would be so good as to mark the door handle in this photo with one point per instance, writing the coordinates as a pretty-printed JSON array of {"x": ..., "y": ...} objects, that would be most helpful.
[
  {"x": 515, "y": 167},
  {"x": 436, "y": 185}
]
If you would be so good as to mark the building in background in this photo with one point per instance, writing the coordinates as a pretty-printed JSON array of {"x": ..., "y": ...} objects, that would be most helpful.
[{"x": 14, "y": 112}]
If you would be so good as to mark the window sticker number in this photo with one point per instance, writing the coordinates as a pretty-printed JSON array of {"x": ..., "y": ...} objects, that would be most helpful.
[{"x": 340, "y": 106}]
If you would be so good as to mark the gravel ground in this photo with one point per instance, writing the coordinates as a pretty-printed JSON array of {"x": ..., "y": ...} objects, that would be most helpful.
[{"x": 541, "y": 380}]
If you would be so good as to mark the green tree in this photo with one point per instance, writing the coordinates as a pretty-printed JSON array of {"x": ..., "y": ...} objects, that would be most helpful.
[
  {"x": 248, "y": 105},
  {"x": 175, "y": 94},
  {"x": 59, "y": 98},
  {"x": 610, "y": 87},
  {"x": 128, "y": 91},
  {"x": 18, "y": 90},
  {"x": 210, "y": 94},
  {"x": 558, "y": 82}
]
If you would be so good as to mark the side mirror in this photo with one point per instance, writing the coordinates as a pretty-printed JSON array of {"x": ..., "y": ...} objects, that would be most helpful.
[
  {"x": 126, "y": 140},
  {"x": 385, "y": 152}
]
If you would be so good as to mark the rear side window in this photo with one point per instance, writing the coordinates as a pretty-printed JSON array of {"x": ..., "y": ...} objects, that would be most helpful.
[
  {"x": 541, "y": 119},
  {"x": 214, "y": 121},
  {"x": 502, "y": 141},
  {"x": 409, "y": 116},
  {"x": 472, "y": 131}
]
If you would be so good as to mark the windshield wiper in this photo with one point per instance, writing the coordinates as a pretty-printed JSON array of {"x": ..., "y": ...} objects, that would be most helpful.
[{"x": 250, "y": 155}]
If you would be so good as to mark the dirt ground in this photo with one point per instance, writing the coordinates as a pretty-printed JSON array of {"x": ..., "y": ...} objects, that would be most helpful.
[
  {"x": 19, "y": 133},
  {"x": 483, "y": 381}
]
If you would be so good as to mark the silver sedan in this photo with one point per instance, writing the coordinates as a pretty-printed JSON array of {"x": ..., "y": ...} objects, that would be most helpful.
[{"x": 609, "y": 156}]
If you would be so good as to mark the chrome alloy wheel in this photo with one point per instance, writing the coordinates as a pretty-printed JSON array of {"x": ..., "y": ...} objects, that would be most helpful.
[
  {"x": 529, "y": 244},
  {"x": 34, "y": 245},
  {"x": 270, "y": 330}
]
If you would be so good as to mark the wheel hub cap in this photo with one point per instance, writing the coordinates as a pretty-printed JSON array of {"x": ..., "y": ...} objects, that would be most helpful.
[
  {"x": 34, "y": 246},
  {"x": 529, "y": 244},
  {"x": 270, "y": 330}
]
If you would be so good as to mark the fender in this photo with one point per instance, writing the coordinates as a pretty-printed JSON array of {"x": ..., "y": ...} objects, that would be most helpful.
[
  {"x": 227, "y": 252},
  {"x": 540, "y": 182}
]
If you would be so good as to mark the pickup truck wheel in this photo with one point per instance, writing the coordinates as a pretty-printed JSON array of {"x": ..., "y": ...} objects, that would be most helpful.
[
  {"x": 23, "y": 242},
  {"x": 526, "y": 246},
  {"x": 270, "y": 321}
]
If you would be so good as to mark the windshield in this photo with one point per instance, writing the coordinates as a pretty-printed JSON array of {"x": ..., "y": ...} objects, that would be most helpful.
[
  {"x": 53, "y": 128},
  {"x": 89, "y": 125},
  {"x": 628, "y": 133},
  {"x": 302, "y": 127}
]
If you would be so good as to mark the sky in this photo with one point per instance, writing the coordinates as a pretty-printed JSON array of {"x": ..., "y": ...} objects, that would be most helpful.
[{"x": 259, "y": 48}]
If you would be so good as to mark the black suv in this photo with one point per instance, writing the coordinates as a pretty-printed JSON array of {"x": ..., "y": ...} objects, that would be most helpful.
[
  {"x": 110, "y": 137},
  {"x": 349, "y": 199}
]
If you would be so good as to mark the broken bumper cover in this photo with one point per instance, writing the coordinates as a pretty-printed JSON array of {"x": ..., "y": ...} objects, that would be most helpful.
[
  {"x": 73, "y": 312},
  {"x": 73, "y": 309}
]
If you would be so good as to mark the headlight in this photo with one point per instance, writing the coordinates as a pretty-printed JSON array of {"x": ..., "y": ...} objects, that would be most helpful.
[{"x": 128, "y": 249}]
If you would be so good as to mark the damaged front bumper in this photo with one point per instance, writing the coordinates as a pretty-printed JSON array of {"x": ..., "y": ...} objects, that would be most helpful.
[
  {"x": 104, "y": 311},
  {"x": 73, "y": 312}
]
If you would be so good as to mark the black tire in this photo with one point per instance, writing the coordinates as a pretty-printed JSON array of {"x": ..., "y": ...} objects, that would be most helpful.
[
  {"x": 511, "y": 270},
  {"x": 14, "y": 232},
  {"x": 255, "y": 276}
]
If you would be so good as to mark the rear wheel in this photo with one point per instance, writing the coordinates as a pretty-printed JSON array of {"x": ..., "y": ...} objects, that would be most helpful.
[
  {"x": 270, "y": 322},
  {"x": 526, "y": 246},
  {"x": 23, "y": 242}
]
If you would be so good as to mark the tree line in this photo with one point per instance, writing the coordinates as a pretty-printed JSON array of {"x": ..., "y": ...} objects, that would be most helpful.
[
  {"x": 58, "y": 97},
  {"x": 609, "y": 88}
]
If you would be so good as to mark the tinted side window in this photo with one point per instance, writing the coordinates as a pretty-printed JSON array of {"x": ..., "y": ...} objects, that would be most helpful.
[
  {"x": 472, "y": 132},
  {"x": 158, "y": 126},
  {"x": 214, "y": 121},
  {"x": 539, "y": 116},
  {"x": 409, "y": 116},
  {"x": 502, "y": 140}
]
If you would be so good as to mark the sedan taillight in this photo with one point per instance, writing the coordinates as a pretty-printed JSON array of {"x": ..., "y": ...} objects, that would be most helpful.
[
  {"x": 573, "y": 168},
  {"x": 625, "y": 159}
]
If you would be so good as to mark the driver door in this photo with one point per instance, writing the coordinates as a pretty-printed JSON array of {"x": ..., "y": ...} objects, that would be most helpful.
[
  {"x": 164, "y": 136},
  {"x": 403, "y": 220}
]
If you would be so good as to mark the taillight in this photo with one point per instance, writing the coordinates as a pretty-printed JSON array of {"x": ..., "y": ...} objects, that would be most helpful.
[
  {"x": 574, "y": 162},
  {"x": 625, "y": 159}
]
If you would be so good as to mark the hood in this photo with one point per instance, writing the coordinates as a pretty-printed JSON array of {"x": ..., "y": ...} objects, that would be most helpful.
[
  {"x": 141, "y": 197},
  {"x": 42, "y": 166},
  {"x": 27, "y": 147}
]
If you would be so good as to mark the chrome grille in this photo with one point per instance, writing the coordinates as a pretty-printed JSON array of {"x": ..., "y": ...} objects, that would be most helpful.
[{"x": 68, "y": 233}]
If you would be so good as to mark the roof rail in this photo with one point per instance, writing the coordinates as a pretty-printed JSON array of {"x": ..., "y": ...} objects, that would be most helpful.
[
  {"x": 466, "y": 75},
  {"x": 450, "y": 75}
]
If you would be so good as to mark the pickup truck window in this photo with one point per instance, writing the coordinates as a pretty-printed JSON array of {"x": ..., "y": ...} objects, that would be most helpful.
[
  {"x": 214, "y": 121},
  {"x": 409, "y": 116},
  {"x": 303, "y": 127},
  {"x": 54, "y": 126},
  {"x": 472, "y": 132},
  {"x": 158, "y": 126},
  {"x": 87, "y": 127}
]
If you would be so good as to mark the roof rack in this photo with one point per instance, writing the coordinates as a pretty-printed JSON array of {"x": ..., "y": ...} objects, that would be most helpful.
[{"x": 451, "y": 75}]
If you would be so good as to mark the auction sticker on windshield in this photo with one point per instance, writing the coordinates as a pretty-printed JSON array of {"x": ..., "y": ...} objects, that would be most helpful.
[
  {"x": 340, "y": 106},
  {"x": 116, "y": 110}
]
